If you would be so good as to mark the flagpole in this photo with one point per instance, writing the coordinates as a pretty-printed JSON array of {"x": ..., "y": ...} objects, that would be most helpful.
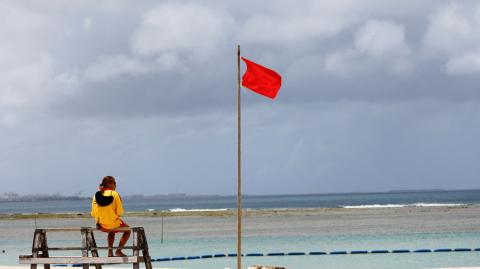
[{"x": 239, "y": 170}]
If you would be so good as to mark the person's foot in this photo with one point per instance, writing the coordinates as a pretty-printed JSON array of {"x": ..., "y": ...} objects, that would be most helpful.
[{"x": 119, "y": 253}]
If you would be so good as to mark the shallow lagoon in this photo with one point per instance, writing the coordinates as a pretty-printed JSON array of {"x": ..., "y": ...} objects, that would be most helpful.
[{"x": 293, "y": 230}]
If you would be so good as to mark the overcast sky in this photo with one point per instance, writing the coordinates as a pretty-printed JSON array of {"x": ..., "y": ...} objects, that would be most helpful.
[{"x": 376, "y": 96}]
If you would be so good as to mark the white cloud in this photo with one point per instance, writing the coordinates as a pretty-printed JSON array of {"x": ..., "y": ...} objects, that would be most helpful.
[
  {"x": 180, "y": 28},
  {"x": 24, "y": 34},
  {"x": 378, "y": 45},
  {"x": 26, "y": 84},
  {"x": 68, "y": 83},
  {"x": 23, "y": 88},
  {"x": 26, "y": 65},
  {"x": 279, "y": 30},
  {"x": 288, "y": 23},
  {"x": 110, "y": 66},
  {"x": 379, "y": 38},
  {"x": 453, "y": 29},
  {"x": 339, "y": 63},
  {"x": 468, "y": 63},
  {"x": 170, "y": 61},
  {"x": 454, "y": 33}
]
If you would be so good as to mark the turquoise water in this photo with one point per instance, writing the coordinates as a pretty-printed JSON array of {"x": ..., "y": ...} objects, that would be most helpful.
[
  {"x": 381, "y": 261},
  {"x": 203, "y": 246},
  {"x": 265, "y": 245}
]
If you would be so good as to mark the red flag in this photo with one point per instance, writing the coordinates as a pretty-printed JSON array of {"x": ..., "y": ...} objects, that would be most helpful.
[{"x": 261, "y": 79}]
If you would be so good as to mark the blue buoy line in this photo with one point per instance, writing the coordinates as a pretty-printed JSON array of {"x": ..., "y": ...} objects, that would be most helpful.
[{"x": 312, "y": 253}]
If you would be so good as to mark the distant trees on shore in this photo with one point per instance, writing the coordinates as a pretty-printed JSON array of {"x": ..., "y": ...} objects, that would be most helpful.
[{"x": 15, "y": 197}]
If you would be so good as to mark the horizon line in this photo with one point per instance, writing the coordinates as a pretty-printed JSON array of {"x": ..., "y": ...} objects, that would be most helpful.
[{"x": 77, "y": 195}]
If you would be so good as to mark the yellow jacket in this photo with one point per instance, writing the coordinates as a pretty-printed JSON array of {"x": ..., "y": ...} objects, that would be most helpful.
[{"x": 108, "y": 216}]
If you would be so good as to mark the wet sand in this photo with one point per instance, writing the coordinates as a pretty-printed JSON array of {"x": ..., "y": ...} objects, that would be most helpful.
[{"x": 317, "y": 221}]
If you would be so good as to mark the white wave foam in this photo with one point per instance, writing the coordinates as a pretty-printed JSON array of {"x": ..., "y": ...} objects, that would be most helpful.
[
  {"x": 373, "y": 206},
  {"x": 425, "y": 204},
  {"x": 195, "y": 210},
  {"x": 400, "y": 205}
]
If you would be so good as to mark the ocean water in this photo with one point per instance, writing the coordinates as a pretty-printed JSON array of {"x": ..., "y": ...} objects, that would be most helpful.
[
  {"x": 255, "y": 202},
  {"x": 18, "y": 241},
  {"x": 369, "y": 222},
  {"x": 327, "y": 244}
]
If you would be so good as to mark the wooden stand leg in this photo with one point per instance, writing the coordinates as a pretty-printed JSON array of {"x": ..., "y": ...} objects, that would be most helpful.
[
  {"x": 44, "y": 247},
  {"x": 142, "y": 242},
  {"x": 92, "y": 246},
  {"x": 35, "y": 246},
  {"x": 136, "y": 251},
  {"x": 83, "y": 232}
]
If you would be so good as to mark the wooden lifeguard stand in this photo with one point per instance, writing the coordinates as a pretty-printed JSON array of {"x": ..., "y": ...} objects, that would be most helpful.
[{"x": 89, "y": 249}]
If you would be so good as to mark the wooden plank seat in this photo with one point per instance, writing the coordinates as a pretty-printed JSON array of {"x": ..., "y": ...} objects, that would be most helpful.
[
  {"x": 29, "y": 259},
  {"x": 80, "y": 248},
  {"x": 41, "y": 250}
]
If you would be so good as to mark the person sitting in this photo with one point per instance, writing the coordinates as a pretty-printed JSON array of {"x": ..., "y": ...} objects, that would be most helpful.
[{"x": 107, "y": 208}]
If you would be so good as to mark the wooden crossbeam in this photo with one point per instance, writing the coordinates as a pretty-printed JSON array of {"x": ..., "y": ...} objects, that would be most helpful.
[
  {"x": 81, "y": 248},
  {"x": 73, "y": 229},
  {"x": 266, "y": 267},
  {"x": 28, "y": 259}
]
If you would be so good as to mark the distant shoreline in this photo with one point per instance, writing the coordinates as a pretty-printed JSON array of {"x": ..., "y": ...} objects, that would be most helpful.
[{"x": 14, "y": 197}]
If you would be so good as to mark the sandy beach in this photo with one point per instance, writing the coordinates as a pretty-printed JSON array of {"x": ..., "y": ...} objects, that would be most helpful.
[
  {"x": 321, "y": 221},
  {"x": 464, "y": 218}
]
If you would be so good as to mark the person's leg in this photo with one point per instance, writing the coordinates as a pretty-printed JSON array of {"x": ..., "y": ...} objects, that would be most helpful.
[
  {"x": 123, "y": 241},
  {"x": 110, "y": 240}
]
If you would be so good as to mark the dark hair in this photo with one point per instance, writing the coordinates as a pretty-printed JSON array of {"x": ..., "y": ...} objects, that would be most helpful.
[{"x": 106, "y": 180}]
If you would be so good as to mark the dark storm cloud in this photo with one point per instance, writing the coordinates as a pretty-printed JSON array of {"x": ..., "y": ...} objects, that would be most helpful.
[{"x": 376, "y": 95}]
